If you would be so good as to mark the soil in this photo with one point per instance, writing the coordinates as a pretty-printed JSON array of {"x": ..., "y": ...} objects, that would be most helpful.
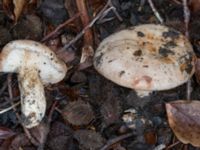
[{"x": 98, "y": 110}]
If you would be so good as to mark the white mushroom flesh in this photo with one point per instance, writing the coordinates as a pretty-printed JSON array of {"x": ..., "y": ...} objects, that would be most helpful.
[
  {"x": 36, "y": 65},
  {"x": 146, "y": 58},
  {"x": 33, "y": 102}
]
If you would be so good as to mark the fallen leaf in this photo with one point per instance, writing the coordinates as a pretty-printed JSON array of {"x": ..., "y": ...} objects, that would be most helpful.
[
  {"x": 40, "y": 132},
  {"x": 6, "y": 133},
  {"x": 86, "y": 57},
  {"x": 19, "y": 5},
  {"x": 20, "y": 140},
  {"x": 89, "y": 139},
  {"x": 60, "y": 137},
  {"x": 87, "y": 52},
  {"x": 150, "y": 137},
  {"x": 8, "y": 8},
  {"x": 78, "y": 113},
  {"x": 184, "y": 120},
  {"x": 194, "y": 5},
  {"x": 14, "y": 8}
]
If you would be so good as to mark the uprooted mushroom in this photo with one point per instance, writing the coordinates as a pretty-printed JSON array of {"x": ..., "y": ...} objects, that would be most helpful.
[
  {"x": 146, "y": 58},
  {"x": 36, "y": 65}
]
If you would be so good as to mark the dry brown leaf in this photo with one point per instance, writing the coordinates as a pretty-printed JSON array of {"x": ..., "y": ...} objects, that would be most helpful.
[
  {"x": 6, "y": 133},
  {"x": 40, "y": 133},
  {"x": 14, "y": 8},
  {"x": 19, "y": 5},
  {"x": 197, "y": 70},
  {"x": 86, "y": 57},
  {"x": 194, "y": 5},
  {"x": 184, "y": 119},
  {"x": 8, "y": 8}
]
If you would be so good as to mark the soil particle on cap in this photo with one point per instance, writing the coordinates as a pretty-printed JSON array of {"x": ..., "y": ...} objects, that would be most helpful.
[
  {"x": 140, "y": 34},
  {"x": 186, "y": 63},
  {"x": 111, "y": 60},
  {"x": 171, "y": 33},
  {"x": 140, "y": 59},
  {"x": 121, "y": 73},
  {"x": 35, "y": 43},
  {"x": 137, "y": 53},
  {"x": 98, "y": 60},
  {"x": 145, "y": 66},
  {"x": 165, "y": 52},
  {"x": 170, "y": 44}
]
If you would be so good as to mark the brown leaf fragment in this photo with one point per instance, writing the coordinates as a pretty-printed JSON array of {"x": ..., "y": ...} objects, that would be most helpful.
[
  {"x": 89, "y": 139},
  {"x": 19, "y": 5},
  {"x": 150, "y": 137},
  {"x": 8, "y": 8},
  {"x": 6, "y": 133},
  {"x": 40, "y": 133},
  {"x": 184, "y": 120},
  {"x": 194, "y": 5},
  {"x": 78, "y": 113},
  {"x": 19, "y": 141},
  {"x": 14, "y": 8}
]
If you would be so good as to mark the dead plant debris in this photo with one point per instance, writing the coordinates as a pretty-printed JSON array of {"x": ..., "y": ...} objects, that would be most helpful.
[{"x": 85, "y": 111}]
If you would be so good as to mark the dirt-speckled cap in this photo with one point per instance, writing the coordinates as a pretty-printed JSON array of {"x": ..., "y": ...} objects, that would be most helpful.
[{"x": 146, "y": 57}]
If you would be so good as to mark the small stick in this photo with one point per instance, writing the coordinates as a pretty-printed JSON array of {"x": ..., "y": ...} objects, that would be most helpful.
[
  {"x": 102, "y": 12},
  {"x": 53, "y": 33},
  {"x": 51, "y": 111},
  {"x": 5, "y": 85},
  {"x": 85, "y": 19},
  {"x": 187, "y": 20},
  {"x": 117, "y": 139},
  {"x": 155, "y": 11},
  {"x": 172, "y": 145},
  {"x": 186, "y": 17},
  {"x": 9, "y": 108}
]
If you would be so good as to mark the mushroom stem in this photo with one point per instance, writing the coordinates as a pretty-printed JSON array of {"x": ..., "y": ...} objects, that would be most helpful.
[
  {"x": 142, "y": 93},
  {"x": 33, "y": 100}
]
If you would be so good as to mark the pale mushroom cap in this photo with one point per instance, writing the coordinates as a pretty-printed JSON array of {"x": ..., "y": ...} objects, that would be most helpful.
[
  {"x": 26, "y": 53},
  {"x": 146, "y": 57}
]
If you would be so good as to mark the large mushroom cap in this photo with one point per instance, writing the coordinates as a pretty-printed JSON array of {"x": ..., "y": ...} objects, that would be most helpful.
[
  {"x": 26, "y": 53},
  {"x": 146, "y": 57}
]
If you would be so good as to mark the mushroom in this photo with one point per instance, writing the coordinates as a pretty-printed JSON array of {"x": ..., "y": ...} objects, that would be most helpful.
[
  {"x": 36, "y": 65},
  {"x": 146, "y": 58}
]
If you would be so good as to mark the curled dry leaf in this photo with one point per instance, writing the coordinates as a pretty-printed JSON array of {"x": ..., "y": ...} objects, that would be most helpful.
[
  {"x": 86, "y": 57},
  {"x": 184, "y": 119},
  {"x": 18, "y": 6},
  {"x": 40, "y": 133},
  {"x": 89, "y": 139},
  {"x": 78, "y": 113},
  {"x": 6, "y": 133},
  {"x": 194, "y": 5}
]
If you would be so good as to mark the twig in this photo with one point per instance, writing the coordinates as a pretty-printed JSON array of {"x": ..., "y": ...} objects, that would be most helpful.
[
  {"x": 117, "y": 139},
  {"x": 102, "y": 12},
  {"x": 51, "y": 111},
  {"x": 155, "y": 11},
  {"x": 53, "y": 33},
  {"x": 187, "y": 20},
  {"x": 9, "y": 108},
  {"x": 172, "y": 145},
  {"x": 85, "y": 19},
  {"x": 186, "y": 17},
  {"x": 5, "y": 85}
]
